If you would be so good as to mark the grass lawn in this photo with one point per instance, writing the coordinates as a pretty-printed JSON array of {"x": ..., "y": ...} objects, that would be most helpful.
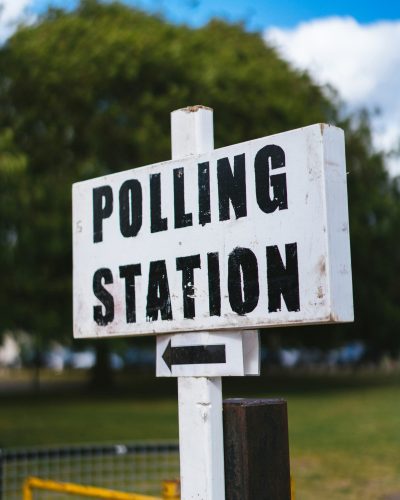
[
  {"x": 344, "y": 431},
  {"x": 346, "y": 445}
]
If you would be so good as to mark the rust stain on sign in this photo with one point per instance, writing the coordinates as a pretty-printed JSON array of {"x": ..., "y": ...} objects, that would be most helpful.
[
  {"x": 323, "y": 126},
  {"x": 322, "y": 265}
]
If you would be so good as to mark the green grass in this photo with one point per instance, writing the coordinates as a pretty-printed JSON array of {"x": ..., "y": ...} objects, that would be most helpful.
[
  {"x": 346, "y": 445},
  {"x": 344, "y": 430},
  {"x": 76, "y": 420}
]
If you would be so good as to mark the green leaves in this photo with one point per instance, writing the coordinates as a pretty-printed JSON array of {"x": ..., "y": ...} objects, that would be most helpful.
[{"x": 12, "y": 161}]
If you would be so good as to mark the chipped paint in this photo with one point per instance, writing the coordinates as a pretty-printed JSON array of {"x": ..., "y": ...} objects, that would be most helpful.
[{"x": 195, "y": 108}]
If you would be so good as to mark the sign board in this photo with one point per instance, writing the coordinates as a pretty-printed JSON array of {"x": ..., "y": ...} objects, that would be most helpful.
[
  {"x": 208, "y": 354},
  {"x": 248, "y": 236}
]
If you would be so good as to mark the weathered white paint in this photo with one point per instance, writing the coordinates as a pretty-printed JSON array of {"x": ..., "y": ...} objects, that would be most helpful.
[
  {"x": 201, "y": 438},
  {"x": 316, "y": 220},
  {"x": 194, "y": 118},
  {"x": 201, "y": 448},
  {"x": 337, "y": 226},
  {"x": 239, "y": 346}
]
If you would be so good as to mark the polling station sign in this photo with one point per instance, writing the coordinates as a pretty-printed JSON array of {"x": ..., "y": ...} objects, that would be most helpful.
[{"x": 251, "y": 235}]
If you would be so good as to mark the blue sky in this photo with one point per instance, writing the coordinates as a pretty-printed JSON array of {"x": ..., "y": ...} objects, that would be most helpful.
[
  {"x": 258, "y": 14},
  {"x": 352, "y": 45},
  {"x": 284, "y": 13}
]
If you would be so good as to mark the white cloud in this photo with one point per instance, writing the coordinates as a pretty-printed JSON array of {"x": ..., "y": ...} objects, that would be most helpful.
[
  {"x": 361, "y": 61},
  {"x": 12, "y": 12}
]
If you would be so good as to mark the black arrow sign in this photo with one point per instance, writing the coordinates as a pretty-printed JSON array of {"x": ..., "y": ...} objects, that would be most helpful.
[{"x": 194, "y": 355}]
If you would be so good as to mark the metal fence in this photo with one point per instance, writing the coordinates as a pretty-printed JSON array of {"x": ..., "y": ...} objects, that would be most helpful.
[{"x": 136, "y": 467}]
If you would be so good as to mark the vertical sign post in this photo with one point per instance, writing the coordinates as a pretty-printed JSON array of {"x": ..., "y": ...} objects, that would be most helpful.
[
  {"x": 199, "y": 359},
  {"x": 199, "y": 398}
]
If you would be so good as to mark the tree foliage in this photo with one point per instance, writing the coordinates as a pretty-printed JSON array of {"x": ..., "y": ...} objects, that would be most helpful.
[{"x": 89, "y": 92}]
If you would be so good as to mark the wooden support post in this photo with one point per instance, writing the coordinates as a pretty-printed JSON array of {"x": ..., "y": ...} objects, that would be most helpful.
[{"x": 256, "y": 447}]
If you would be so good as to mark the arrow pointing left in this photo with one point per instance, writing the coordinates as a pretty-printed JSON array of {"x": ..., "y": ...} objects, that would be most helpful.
[
  {"x": 194, "y": 355},
  {"x": 202, "y": 354}
]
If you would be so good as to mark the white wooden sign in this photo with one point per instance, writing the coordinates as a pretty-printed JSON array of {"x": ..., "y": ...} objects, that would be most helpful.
[
  {"x": 247, "y": 236},
  {"x": 208, "y": 354}
]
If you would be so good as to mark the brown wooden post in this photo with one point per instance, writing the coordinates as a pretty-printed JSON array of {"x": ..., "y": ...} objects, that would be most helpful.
[{"x": 256, "y": 445}]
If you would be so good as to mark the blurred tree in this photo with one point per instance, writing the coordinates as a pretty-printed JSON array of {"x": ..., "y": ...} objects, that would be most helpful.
[
  {"x": 89, "y": 92},
  {"x": 374, "y": 208},
  {"x": 374, "y": 200},
  {"x": 13, "y": 165}
]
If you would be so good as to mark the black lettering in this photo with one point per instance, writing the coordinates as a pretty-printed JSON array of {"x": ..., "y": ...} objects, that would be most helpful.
[
  {"x": 102, "y": 209},
  {"x": 283, "y": 281},
  {"x": 130, "y": 208},
  {"x": 101, "y": 317},
  {"x": 158, "y": 223},
  {"x": 204, "y": 193},
  {"x": 275, "y": 156},
  {"x": 187, "y": 265},
  {"x": 232, "y": 187},
  {"x": 243, "y": 287},
  {"x": 158, "y": 296},
  {"x": 181, "y": 218},
  {"x": 129, "y": 273},
  {"x": 214, "y": 286}
]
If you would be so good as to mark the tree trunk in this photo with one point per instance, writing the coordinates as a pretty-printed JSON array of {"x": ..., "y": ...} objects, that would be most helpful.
[{"x": 102, "y": 376}]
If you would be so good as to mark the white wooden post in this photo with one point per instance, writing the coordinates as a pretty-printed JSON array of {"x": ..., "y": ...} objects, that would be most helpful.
[{"x": 199, "y": 398}]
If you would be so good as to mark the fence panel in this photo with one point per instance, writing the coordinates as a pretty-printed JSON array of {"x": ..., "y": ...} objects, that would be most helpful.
[{"x": 135, "y": 467}]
